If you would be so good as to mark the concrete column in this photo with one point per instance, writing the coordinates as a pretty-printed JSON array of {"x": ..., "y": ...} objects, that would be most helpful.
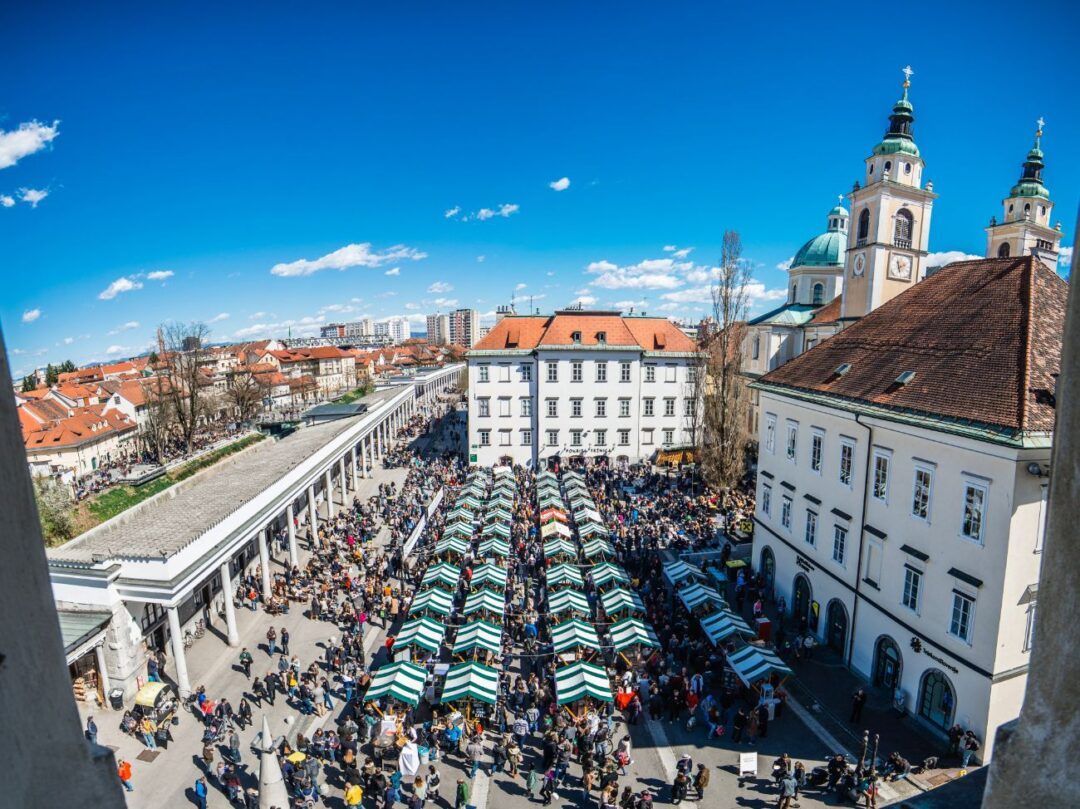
[
  {"x": 369, "y": 457},
  {"x": 264, "y": 560},
  {"x": 177, "y": 641},
  {"x": 342, "y": 481},
  {"x": 230, "y": 609},
  {"x": 313, "y": 512},
  {"x": 103, "y": 672},
  {"x": 290, "y": 518},
  {"x": 355, "y": 470},
  {"x": 329, "y": 486}
]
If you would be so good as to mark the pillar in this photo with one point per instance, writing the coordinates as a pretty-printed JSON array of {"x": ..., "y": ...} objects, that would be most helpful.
[
  {"x": 313, "y": 512},
  {"x": 264, "y": 560},
  {"x": 290, "y": 518},
  {"x": 342, "y": 481},
  {"x": 103, "y": 672},
  {"x": 355, "y": 470},
  {"x": 230, "y": 609},
  {"x": 329, "y": 481},
  {"x": 177, "y": 641}
]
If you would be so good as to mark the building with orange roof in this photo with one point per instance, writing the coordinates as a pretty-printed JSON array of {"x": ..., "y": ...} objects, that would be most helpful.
[
  {"x": 78, "y": 443},
  {"x": 580, "y": 383},
  {"x": 332, "y": 368}
]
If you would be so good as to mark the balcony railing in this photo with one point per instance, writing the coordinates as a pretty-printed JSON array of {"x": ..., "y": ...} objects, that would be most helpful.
[{"x": 901, "y": 242}]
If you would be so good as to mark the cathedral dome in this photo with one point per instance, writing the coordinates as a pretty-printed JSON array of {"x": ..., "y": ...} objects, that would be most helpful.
[{"x": 824, "y": 250}]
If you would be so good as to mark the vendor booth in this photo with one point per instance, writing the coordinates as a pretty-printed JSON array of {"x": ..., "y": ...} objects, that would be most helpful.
[
  {"x": 574, "y": 636},
  {"x": 631, "y": 637},
  {"x": 679, "y": 571},
  {"x": 560, "y": 550},
  {"x": 568, "y": 602},
  {"x": 620, "y": 602},
  {"x": 444, "y": 574},
  {"x": 478, "y": 636},
  {"x": 564, "y": 576},
  {"x": 581, "y": 681},
  {"x": 608, "y": 574},
  {"x": 700, "y": 599},
  {"x": 423, "y": 635},
  {"x": 486, "y": 603},
  {"x": 721, "y": 625},
  {"x": 433, "y": 602},
  {"x": 492, "y": 548},
  {"x": 488, "y": 573}
]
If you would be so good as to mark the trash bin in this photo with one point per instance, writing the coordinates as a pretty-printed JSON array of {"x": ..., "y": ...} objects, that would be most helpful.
[{"x": 116, "y": 699}]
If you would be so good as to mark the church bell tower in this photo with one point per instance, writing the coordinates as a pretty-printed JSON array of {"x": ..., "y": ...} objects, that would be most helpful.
[{"x": 889, "y": 235}]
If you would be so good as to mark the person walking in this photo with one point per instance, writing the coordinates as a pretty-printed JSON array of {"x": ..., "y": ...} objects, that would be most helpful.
[
  {"x": 788, "y": 787},
  {"x": 245, "y": 662},
  {"x": 701, "y": 780},
  {"x": 739, "y": 723},
  {"x": 91, "y": 730},
  {"x": 432, "y": 781},
  {"x": 970, "y": 748},
  {"x": 271, "y": 641},
  {"x": 474, "y": 750},
  {"x": 123, "y": 769},
  {"x": 200, "y": 791},
  {"x": 284, "y": 635},
  {"x": 858, "y": 700},
  {"x": 461, "y": 794}
]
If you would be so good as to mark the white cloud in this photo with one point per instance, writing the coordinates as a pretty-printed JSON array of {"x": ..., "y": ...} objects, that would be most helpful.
[
  {"x": 601, "y": 266},
  {"x": 656, "y": 273},
  {"x": 624, "y": 305},
  {"x": 756, "y": 292},
  {"x": 340, "y": 308},
  {"x": 560, "y": 184},
  {"x": 351, "y": 255},
  {"x": 259, "y": 316},
  {"x": 30, "y": 315},
  {"x": 1065, "y": 255},
  {"x": 69, "y": 340},
  {"x": 480, "y": 259},
  {"x": 301, "y": 327},
  {"x": 160, "y": 275},
  {"x": 219, "y": 317},
  {"x": 445, "y": 302},
  {"x": 131, "y": 324},
  {"x": 393, "y": 272},
  {"x": 550, "y": 273},
  {"x": 116, "y": 349},
  {"x": 33, "y": 195},
  {"x": 948, "y": 257},
  {"x": 122, "y": 284},
  {"x": 669, "y": 307},
  {"x": 585, "y": 300},
  {"x": 439, "y": 287},
  {"x": 412, "y": 306},
  {"x": 30, "y": 137},
  {"x": 683, "y": 253},
  {"x": 450, "y": 213},
  {"x": 7, "y": 201},
  {"x": 504, "y": 210},
  {"x": 786, "y": 264},
  {"x": 669, "y": 248},
  {"x": 520, "y": 287}
]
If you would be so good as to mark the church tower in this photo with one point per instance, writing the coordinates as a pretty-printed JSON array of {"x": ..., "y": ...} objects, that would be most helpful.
[
  {"x": 890, "y": 218},
  {"x": 1025, "y": 228}
]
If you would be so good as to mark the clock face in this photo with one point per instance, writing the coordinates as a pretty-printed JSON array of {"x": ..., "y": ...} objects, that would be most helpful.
[
  {"x": 900, "y": 268},
  {"x": 860, "y": 265}
]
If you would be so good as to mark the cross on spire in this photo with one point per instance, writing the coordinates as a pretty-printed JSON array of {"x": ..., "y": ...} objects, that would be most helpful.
[
  {"x": 908, "y": 73},
  {"x": 1040, "y": 123}
]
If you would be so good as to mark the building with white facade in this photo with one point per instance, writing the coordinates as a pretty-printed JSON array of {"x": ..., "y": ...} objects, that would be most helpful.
[
  {"x": 464, "y": 327},
  {"x": 438, "y": 329},
  {"x": 580, "y": 384},
  {"x": 355, "y": 330},
  {"x": 902, "y": 484},
  {"x": 397, "y": 329}
]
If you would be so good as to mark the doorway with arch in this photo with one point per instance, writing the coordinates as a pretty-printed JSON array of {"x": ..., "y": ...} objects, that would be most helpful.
[
  {"x": 768, "y": 568},
  {"x": 836, "y": 626},
  {"x": 801, "y": 597},
  {"x": 937, "y": 699},
  {"x": 888, "y": 664}
]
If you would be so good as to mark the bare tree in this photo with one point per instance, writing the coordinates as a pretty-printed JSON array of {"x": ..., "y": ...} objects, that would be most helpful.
[
  {"x": 183, "y": 356},
  {"x": 244, "y": 392},
  {"x": 726, "y": 397},
  {"x": 158, "y": 423}
]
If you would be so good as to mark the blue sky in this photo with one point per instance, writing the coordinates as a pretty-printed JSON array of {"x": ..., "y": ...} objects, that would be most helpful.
[{"x": 200, "y": 168}]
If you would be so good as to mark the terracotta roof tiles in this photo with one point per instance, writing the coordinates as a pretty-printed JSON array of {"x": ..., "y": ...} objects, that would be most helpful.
[{"x": 527, "y": 332}]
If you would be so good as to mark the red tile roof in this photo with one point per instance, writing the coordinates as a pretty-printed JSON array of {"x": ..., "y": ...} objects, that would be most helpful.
[
  {"x": 829, "y": 313},
  {"x": 982, "y": 337},
  {"x": 531, "y": 331},
  {"x": 305, "y": 354}
]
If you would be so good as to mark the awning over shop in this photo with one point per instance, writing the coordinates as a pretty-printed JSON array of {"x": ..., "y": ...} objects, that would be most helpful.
[
  {"x": 402, "y": 681},
  {"x": 422, "y": 632},
  {"x": 478, "y": 635},
  {"x": 752, "y": 664},
  {"x": 485, "y": 599},
  {"x": 493, "y": 547},
  {"x": 607, "y": 573},
  {"x": 559, "y": 547},
  {"x": 580, "y": 680},
  {"x": 583, "y": 515},
  {"x": 598, "y": 547},
  {"x": 460, "y": 516},
  {"x": 567, "y": 601},
  {"x": 560, "y": 575},
  {"x": 489, "y": 574},
  {"x": 498, "y": 515},
  {"x": 496, "y": 529},
  {"x": 723, "y": 624},
  {"x": 677, "y": 571},
  {"x": 574, "y": 634},
  {"x": 619, "y": 599},
  {"x": 434, "y": 600},
  {"x": 633, "y": 632},
  {"x": 695, "y": 594},
  {"x": 467, "y": 501},
  {"x": 550, "y": 501},
  {"x": 592, "y": 529},
  {"x": 452, "y": 544},
  {"x": 442, "y": 573},
  {"x": 554, "y": 528},
  {"x": 471, "y": 681},
  {"x": 464, "y": 530}
]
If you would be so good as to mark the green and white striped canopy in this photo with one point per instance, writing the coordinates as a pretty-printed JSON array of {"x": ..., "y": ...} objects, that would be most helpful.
[
  {"x": 677, "y": 571},
  {"x": 695, "y": 594},
  {"x": 451, "y": 544},
  {"x": 561, "y": 575},
  {"x": 467, "y": 500},
  {"x": 442, "y": 573},
  {"x": 580, "y": 680},
  {"x": 402, "y": 681},
  {"x": 459, "y": 529},
  {"x": 583, "y": 515},
  {"x": 496, "y": 529},
  {"x": 574, "y": 634},
  {"x": 502, "y": 472},
  {"x": 598, "y": 547},
  {"x": 503, "y": 502},
  {"x": 422, "y": 632},
  {"x": 567, "y": 601},
  {"x": 723, "y": 624},
  {"x": 550, "y": 501},
  {"x": 504, "y": 487},
  {"x": 471, "y": 681},
  {"x": 489, "y": 573},
  {"x": 434, "y": 600},
  {"x": 460, "y": 514},
  {"x": 607, "y": 573},
  {"x": 751, "y": 664},
  {"x": 559, "y": 547},
  {"x": 573, "y": 474},
  {"x": 633, "y": 632},
  {"x": 619, "y": 599},
  {"x": 548, "y": 490},
  {"x": 555, "y": 528},
  {"x": 478, "y": 635},
  {"x": 493, "y": 547},
  {"x": 579, "y": 499},
  {"x": 497, "y": 515},
  {"x": 547, "y": 474},
  {"x": 485, "y": 599},
  {"x": 592, "y": 529}
]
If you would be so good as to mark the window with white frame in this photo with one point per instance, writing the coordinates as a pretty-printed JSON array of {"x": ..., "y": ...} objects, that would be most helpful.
[
  {"x": 483, "y": 373},
  {"x": 648, "y": 406},
  {"x": 766, "y": 499},
  {"x": 485, "y": 438},
  {"x": 624, "y": 438},
  {"x": 483, "y": 407},
  {"x": 688, "y": 406},
  {"x": 770, "y": 432},
  {"x": 504, "y": 372},
  {"x": 575, "y": 408},
  {"x": 526, "y": 372},
  {"x": 817, "y": 441},
  {"x": 526, "y": 406},
  {"x": 847, "y": 459},
  {"x": 553, "y": 372},
  {"x": 601, "y": 372},
  {"x": 576, "y": 373},
  {"x": 504, "y": 406},
  {"x": 526, "y": 438},
  {"x": 601, "y": 408},
  {"x": 1029, "y": 631},
  {"x": 811, "y": 527},
  {"x": 624, "y": 371},
  {"x": 880, "y": 489},
  {"x": 963, "y": 614},
  {"x": 670, "y": 372},
  {"x": 669, "y": 437},
  {"x": 922, "y": 489},
  {"x": 647, "y": 436},
  {"x": 650, "y": 372},
  {"x": 912, "y": 585},
  {"x": 875, "y": 552},
  {"x": 600, "y": 438},
  {"x": 575, "y": 438},
  {"x": 624, "y": 408},
  {"x": 839, "y": 543},
  {"x": 504, "y": 438},
  {"x": 669, "y": 406},
  {"x": 552, "y": 408},
  {"x": 691, "y": 374},
  {"x": 553, "y": 438},
  {"x": 785, "y": 512},
  {"x": 792, "y": 440},
  {"x": 975, "y": 498}
]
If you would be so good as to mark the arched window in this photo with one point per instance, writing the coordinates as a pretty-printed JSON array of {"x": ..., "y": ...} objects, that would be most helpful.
[
  {"x": 937, "y": 699},
  {"x": 1003, "y": 250},
  {"x": 794, "y": 289},
  {"x": 903, "y": 228},
  {"x": 1027, "y": 208},
  {"x": 888, "y": 165},
  {"x": 864, "y": 225},
  {"x": 819, "y": 294}
]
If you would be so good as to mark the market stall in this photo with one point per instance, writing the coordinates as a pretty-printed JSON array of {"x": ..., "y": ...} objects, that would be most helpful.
[
  {"x": 608, "y": 574},
  {"x": 679, "y": 571},
  {"x": 402, "y": 682},
  {"x": 451, "y": 548},
  {"x": 444, "y": 574},
  {"x": 485, "y": 603},
  {"x": 618, "y": 602},
  {"x": 568, "y": 602},
  {"x": 425, "y": 635},
  {"x": 598, "y": 548},
  {"x": 578, "y": 683},
  {"x": 631, "y": 637},
  {"x": 478, "y": 636},
  {"x": 564, "y": 576},
  {"x": 700, "y": 599},
  {"x": 469, "y": 685},
  {"x": 488, "y": 573},
  {"x": 493, "y": 547},
  {"x": 758, "y": 667},
  {"x": 574, "y": 637},
  {"x": 721, "y": 625},
  {"x": 554, "y": 529},
  {"x": 432, "y": 602},
  {"x": 560, "y": 550}
]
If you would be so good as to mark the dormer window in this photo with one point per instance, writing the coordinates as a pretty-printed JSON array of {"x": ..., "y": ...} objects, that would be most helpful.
[
  {"x": 575, "y": 336},
  {"x": 601, "y": 337}
]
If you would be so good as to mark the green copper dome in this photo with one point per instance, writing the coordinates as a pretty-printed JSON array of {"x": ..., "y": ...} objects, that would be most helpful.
[
  {"x": 1030, "y": 183},
  {"x": 897, "y": 146},
  {"x": 825, "y": 250},
  {"x": 899, "y": 138}
]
